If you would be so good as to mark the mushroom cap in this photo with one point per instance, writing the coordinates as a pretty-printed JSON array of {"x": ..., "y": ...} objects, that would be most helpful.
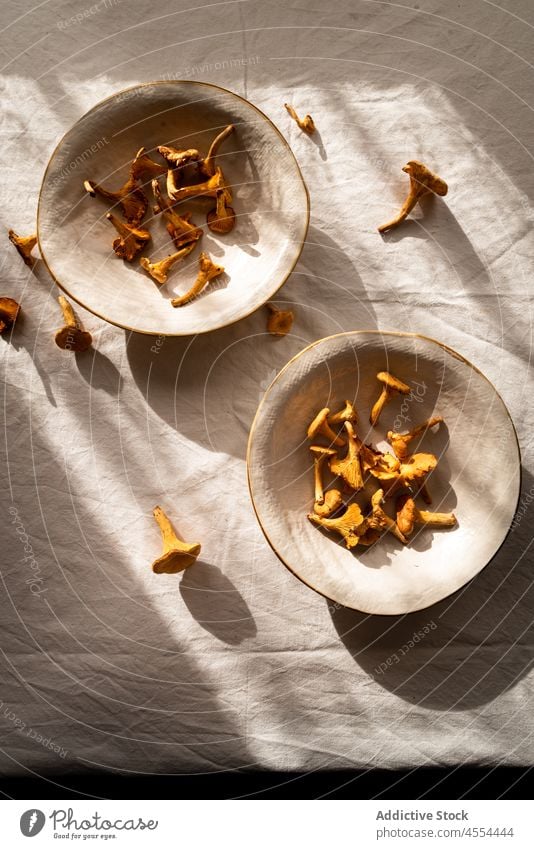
[
  {"x": 279, "y": 322},
  {"x": 221, "y": 225},
  {"x": 73, "y": 339},
  {"x": 371, "y": 536},
  {"x": 386, "y": 467},
  {"x": 418, "y": 466},
  {"x": 332, "y": 502},
  {"x": 425, "y": 177},
  {"x": 9, "y": 310},
  {"x": 406, "y": 514},
  {"x": 392, "y": 382},
  {"x": 208, "y": 267},
  {"x": 175, "y": 560},
  {"x": 347, "y": 414}
]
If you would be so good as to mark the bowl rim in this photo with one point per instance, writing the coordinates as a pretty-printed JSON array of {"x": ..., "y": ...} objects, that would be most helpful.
[
  {"x": 398, "y": 333},
  {"x": 300, "y": 245}
]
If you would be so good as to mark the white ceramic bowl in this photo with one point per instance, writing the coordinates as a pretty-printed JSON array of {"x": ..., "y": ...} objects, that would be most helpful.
[
  {"x": 478, "y": 474},
  {"x": 270, "y": 199}
]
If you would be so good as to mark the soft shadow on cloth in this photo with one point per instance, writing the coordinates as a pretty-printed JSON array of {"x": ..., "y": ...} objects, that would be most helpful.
[
  {"x": 185, "y": 380},
  {"x": 470, "y": 648}
]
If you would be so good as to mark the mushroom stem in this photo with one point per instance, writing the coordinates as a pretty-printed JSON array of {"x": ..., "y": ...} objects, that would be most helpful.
[
  {"x": 130, "y": 198},
  {"x": 207, "y": 271},
  {"x": 222, "y": 218},
  {"x": 379, "y": 405},
  {"x": 306, "y": 124},
  {"x": 180, "y": 193},
  {"x": 319, "y": 456},
  {"x": 408, "y": 514},
  {"x": 159, "y": 271},
  {"x": 177, "y": 555},
  {"x": 318, "y": 478},
  {"x": 208, "y": 166},
  {"x": 68, "y": 313},
  {"x": 425, "y": 517},
  {"x": 72, "y": 336},
  {"x": 390, "y": 385},
  {"x": 320, "y": 426},
  {"x": 349, "y": 468}
]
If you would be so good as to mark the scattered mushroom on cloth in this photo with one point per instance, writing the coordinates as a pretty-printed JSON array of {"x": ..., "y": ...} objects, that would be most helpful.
[
  {"x": 177, "y": 555},
  {"x": 188, "y": 175},
  {"x": 378, "y": 478},
  {"x": 9, "y": 312},
  {"x": 423, "y": 181}
]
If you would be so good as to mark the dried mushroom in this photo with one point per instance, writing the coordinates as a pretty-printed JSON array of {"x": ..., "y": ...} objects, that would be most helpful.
[
  {"x": 403, "y": 476},
  {"x": 279, "y": 322},
  {"x": 72, "y": 336},
  {"x": 179, "y": 227},
  {"x": 221, "y": 219},
  {"x": 159, "y": 271},
  {"x": 130, "y": 198},
  {"x": 9, "y": 312},
  {"x": 189, "y": 175},
  {"x": 422, "y": 182},
  {"x": 209, "y": 187},
  {"x": 351, "y": 525},
  {"x": 208, "y": 165},
  {"x": 131, "y": 239},
  {"x": 179, "y": 158},
  {"x": 347, "y": 414},
  {"x": 319, "y": 456},
  {"x": 320, "y": 427},
  {"x": 306, "y": 124},
  {"x": 349, "y": 468},
  {"x": 390, "y": 385},
  {"x": 380, "y": 521},
  {"x": 412, "y": 473},
  {"x": 409, "y": 515},
  {"x": 24, "y": 245},
  {"x": 400, "y": 442},
  {"x": 144, "y": 166},
  {"x": 177, "y": 555},
  {"x": 208, "y": 270},
  {"x": 332, "y": 502}
]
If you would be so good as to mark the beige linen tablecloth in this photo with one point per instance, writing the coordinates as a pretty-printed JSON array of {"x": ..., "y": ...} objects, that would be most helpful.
[{"x": 237, "y": 664}]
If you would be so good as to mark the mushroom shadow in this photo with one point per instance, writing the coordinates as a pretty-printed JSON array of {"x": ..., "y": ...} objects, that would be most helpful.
[
  {"x": 98, "y": 371},
  {"x": 472, "y": 272},
  {"x": 207, "y": 591},
  {"x": 464, "y": 651}
]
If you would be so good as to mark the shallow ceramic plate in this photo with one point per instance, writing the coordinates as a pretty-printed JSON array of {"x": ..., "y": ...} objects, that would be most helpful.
[
  {"x": 270, "y": 199},
  {"x": 478, "y": 475}
]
